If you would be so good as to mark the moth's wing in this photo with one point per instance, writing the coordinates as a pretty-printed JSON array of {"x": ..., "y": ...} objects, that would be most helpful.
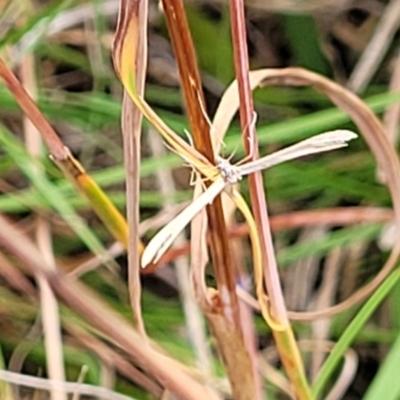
[
  {"x": 327, "y": 141},
  {"x": 166, "y": 236}
]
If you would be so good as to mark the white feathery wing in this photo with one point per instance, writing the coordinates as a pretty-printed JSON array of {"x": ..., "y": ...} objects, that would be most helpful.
[
  {"x": 166, "y": 236},
  {"x": 317, "y": 144}
]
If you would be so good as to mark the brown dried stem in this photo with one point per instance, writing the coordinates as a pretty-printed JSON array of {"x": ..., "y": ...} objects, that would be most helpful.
[
  {"x": 200, "y": 129},
  {"x": 285, "y": 341},
  {"x": 85, "y": 303}
]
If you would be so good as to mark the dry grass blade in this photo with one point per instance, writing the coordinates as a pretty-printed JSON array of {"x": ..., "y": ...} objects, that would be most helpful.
[
  {"x": 125, "y": 52},
  {"x": 368, "y": 124},
  {"x": 84, "y": 302},
  {"x": 54, "y": 143},
  {"x": 49, "y": 309},
  {"x": 355, "y": 298},
  {"x": 131, "y": 131},
  {"x": 376, "y": 49},
  {"x": 61, "y": 386},
  {"x": 16, "y": 278},
  {"x": 363, "y": 117},
  {"x": 71, "y": 167},
  {"x": 391, "y": 117},
  {"x": 111, "y": 357}
]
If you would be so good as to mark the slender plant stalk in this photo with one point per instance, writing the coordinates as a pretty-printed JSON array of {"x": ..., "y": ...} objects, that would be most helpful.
[
  {"x": 200, "y": 130},
  {"x": 131, "y": 134},
  {"x": 244, "y": 380},
  {"x": 50, "y": 316},
  {"x": 74, "y": 171},
  {"x": 285, "y": 340},
  {"x": 193, "y": 317}
]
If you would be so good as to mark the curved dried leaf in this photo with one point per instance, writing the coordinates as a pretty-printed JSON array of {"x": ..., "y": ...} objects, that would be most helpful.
[
  {"x": 360, "y": 113},
  {"x": 125, "y": 54}
]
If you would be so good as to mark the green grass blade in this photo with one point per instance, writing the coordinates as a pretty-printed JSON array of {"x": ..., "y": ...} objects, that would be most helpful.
[
  {"x": 351, "y": 332},
  {"x": 49, "y": 191},
  {"x": 386, "y": 384}
]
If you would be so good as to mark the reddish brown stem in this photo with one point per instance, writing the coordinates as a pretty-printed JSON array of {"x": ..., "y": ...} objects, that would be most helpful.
[
  {"x": 256, "y": 186},
  {"x": 285, "y": 341},
  {"x": 55, "y": 145},
  {"x": 200, "y": 129}
]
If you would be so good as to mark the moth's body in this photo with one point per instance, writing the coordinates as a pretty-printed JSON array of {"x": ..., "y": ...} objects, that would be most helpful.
[{"x": 230, "y": 173}]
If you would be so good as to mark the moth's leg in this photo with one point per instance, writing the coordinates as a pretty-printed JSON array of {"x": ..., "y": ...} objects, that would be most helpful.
[{"x": 249, "y": 156}]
